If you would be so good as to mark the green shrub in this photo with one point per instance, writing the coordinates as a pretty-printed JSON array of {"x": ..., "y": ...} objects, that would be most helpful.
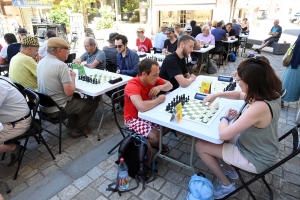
[
  {"x": 59, "y": 16},
  {"x": 106, "y": 19}
]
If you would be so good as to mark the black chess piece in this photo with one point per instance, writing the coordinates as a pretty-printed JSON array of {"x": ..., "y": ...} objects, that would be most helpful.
[
  {"x": 188, "y": 98},
  {"x": 167, "y": 108}
]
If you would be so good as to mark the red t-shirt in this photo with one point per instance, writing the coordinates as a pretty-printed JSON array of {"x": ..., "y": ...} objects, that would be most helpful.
[
  {"x": 135, "y": 87},
  {"x": 144, "y": 46}
]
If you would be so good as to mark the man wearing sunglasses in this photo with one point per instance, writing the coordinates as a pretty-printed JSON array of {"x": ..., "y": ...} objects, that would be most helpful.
[
  {"x": 127, "y": 59},
  {"x": 94, "y": 57}
]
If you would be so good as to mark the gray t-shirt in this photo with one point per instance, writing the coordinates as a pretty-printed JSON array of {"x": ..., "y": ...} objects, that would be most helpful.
[
  {"x": 97, "y": 55},
  {"x": 12, "y": 103},
  {"x": 110, "y": 54},
  {"x": 52, "y": 74}
]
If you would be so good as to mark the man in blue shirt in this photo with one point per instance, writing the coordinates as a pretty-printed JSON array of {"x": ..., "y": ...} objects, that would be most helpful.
[
  {"x": 236, "y": 27},
  {"x": 160, "y": 38},
  {"x": 219, "y": 33},
  {"x": 127, "y": 60},
  {"x": 275, "y": 33}
]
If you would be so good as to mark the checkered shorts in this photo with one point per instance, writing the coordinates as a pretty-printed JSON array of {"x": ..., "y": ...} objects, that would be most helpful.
[{"x": 141, "y": 126}]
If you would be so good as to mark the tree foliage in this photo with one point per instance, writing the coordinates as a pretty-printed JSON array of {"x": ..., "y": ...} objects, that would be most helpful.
[
  {"x": 106, "y": 19},
  {"x": 59, "y": 16}
]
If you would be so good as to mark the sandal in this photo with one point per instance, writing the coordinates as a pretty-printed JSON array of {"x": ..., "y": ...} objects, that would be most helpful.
[{"x": 165, "y": 148}]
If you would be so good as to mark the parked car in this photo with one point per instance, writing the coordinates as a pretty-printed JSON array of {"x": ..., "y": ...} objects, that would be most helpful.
[{"x": 294, "y": 17}]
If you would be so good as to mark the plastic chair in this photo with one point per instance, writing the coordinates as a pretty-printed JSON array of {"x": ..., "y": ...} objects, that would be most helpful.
[
  {"x": 70, "y": 58},
  {"x": 116, "y": 98},
  {"x": 296, "y": 150},
  {"x": 111, "y": 66},
  {"x": 218, "y": 50},
  {"x": 34, "y": 130},
  {"x": 46, "y": 102}
]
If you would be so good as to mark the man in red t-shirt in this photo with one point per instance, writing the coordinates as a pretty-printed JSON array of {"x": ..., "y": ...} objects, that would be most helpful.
[
  {"x": 143, "y": 43},
  {"x": 140, "y": 94}
]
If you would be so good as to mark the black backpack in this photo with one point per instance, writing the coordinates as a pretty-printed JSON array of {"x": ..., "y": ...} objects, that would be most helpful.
[{"x": 137, "y": 154}]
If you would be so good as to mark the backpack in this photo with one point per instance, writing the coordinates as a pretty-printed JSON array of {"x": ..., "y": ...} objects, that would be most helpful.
[
  {"x": 137, "y": 154},
  {"x": 200, "y": 188},
  {"x": 212, "y": 67},
  {"x": 231, "y": 57}
]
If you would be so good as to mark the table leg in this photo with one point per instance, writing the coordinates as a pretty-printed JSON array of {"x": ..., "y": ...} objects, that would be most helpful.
[
  {"x": 201, "y": 63},
  {"x": 102, "y": 116}
]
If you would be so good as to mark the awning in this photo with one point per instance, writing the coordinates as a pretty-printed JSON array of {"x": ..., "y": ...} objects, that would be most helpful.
[
  {"x": 184, "y": 5},
  {"x": 29, "y": 3}
]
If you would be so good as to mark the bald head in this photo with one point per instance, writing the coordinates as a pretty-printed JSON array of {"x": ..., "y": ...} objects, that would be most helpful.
[
  {"x": 276, "y": 22},
  {"x": 90, "y": 44}
]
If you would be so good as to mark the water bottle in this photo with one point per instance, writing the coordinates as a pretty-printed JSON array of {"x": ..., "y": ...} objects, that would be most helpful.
[{"x": 123, "y": 175}]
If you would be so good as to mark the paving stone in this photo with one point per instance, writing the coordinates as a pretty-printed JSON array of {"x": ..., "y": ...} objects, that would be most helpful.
[
  {"x": 95, "y": 173},
  {"x": 88, "y": 193},
  {"x": 25, "y": 170},
  {"x": 161, "y": 169},
  {"x": 125, "y": 196},
  {"x": 173, "y": 143},
  {"x": 35, "y": 178},
  {"x": 277, "y": 182},
  {"x": 49, "y": 170},
  {"x": 149, "y": 193},
  {"x": 165, "y": 198},
  {"x": 174, "y": 176},
  {"x": 101, "y": 198},
  {"x": 134, "y": 198},
  {"x": 157, "y": 183},
  {"x": 112, "y": 173},
  {"x": 33, "y": 154},
  {"x": 55, "y": 198},
  {"x": 292, "y": 168},
  {"x": 185, "y": 182},
  {"x": 175, "y": 153},
  {"x": 96, "y": 183},
  {"x": 82, "y": 182},
  {"x": 19, "y": 188},
  {"x": 171, "y": 190},
  {"x": 292, "y": 178},
  {"x": 68, "y": 193},
  {"x": 182, "y": 195},
  {"x": 103, "y": 186},
  {"x": 106, "y": 164},
  {"x": 174, "y": 167},
  {"x": 64, "y": 161}
]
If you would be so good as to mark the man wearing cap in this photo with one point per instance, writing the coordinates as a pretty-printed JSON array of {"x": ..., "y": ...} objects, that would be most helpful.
[
  {"x": 12, "y": 48},
  {"x": 143, "y": 43},
  {"x": 22, "y": 33},
  {"x": 22, "y": 68},
  {"x": 110, "y": 51},
  {"x": 178, "y": 32},
  {"x": 94, "y": 57},
  {"x": 159, "y": 39},
  {"x": 188, "y": 31},
  {"x": 174, "y": 67},
  {"x": 170, "y": 44},
  {"x": 56, "y": 80}
]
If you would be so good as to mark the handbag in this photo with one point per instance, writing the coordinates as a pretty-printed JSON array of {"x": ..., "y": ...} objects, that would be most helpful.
[{"x": 286, "y": 61}]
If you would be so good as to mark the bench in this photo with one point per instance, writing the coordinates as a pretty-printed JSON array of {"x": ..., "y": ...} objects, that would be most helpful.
[{"x": 278, "y": 48}]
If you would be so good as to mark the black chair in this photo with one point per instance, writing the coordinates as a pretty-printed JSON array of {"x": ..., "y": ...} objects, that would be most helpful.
[
  {"x": 35, "y": 130},
  {"x": 70, "y": 58},
  {"x": 116, "y": 98},
  {"x": 111, "y": 66},
  {"x": 218, "y": 50},
  {"x": 46, "y": 102},
  {"x": 20, "y": 87},
  {"x": 296, "y": 150}
]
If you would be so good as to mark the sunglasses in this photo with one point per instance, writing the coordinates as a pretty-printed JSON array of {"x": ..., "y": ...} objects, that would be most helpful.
[{"x": 119, "y": 46}]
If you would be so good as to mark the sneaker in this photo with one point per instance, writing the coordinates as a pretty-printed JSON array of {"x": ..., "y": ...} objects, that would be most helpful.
[
  {"x": 231, "y": 174},
  {"x": 221, "y": 191}
]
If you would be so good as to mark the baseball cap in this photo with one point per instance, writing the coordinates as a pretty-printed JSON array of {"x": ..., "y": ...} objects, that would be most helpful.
[
  {"x": 140, "y": 29},
  {"x": 188, "y": 28},
  {"x": 170, "y": 29}
]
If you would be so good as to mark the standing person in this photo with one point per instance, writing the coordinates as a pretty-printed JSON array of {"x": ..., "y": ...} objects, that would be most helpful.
[
  {"x": 159, "y": 39},
  {"x": 290, "y": 78},
  {"x": 174, "y": 67},
  {"x": 219, "y": 33},
  {"x": 94, "y": 57},
  {"x": 58, "y": 81},
  {"x": 22, "y": 68},
  {"x": 170, "y": 44},
  {"x": 140, "y": 95},
  {"x": 111, "y": 51},
  {"x": 43, "y": 49},
  {"x": 275, "y": 33},
  {"x": 196, "y": 29},
  {"x": 253, "y": 137},
  {"x": 178, "y": 32},
  {"x": 12, "y": 48},
  {"x": 143, "y": 43},
  {"x": 127, "y": 59},
  {"x": 245, "y": 26}
]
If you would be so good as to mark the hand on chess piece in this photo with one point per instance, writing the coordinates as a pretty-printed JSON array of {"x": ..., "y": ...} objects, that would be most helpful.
[
  {"x": 78, "y": 61},
  {"x": 209, "y": 98},
  {"x": 231, "y": 113},
  {"x": 154, "y": 91}
]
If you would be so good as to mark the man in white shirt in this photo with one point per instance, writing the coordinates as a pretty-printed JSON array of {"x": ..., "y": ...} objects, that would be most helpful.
[
  {"x": 160, "y": 38},
  {"x": 43, "y": 49}
]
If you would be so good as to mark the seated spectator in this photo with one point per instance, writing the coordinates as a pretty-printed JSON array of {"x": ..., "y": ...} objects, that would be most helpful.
[
  {"x": 159, "y": 39},
  {"x": 14, "y": 116},
  {"x": 174, "y": 67},
  {"x": 178, "y": 32},
  {"x": 170, "y": 44},
  {"x": 143, "y": 43},
  {"x": 206, "y": 37},
  {"x": 140, "y": 95},
  {"x": 43, "y": 49},
  {"x": 22, "y": 33},
  {"x": 231, "y": 34},
  {"x": 223, "y": 25},
  {"x": 214, "y": 24},
  {"x": 208, "y": 23},
  {"x": 127, "y": 59},
  {"x": 22, "y": 68},
  {"x": 196, "y": 29},
  {"x": 58, "y": 81},
  {"x": 94, "y": 57},
  {"x": 253, "y": 137},
  {"x": 7, "y": 53},
  {"x": 219, "y": 33},
  {"x": 110, "y": 51},
  {"x": 188, "y": 31},
  {"x": 236, "y": 27},
  {"x": 245, "y": 26}
]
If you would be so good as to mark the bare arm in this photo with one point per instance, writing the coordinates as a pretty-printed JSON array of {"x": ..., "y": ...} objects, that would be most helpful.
[
  {"x": 197, "y": 46},
  {"x": 77, "y": 60},
  {"x": 237, "y": 95},
  {"x": 184, "y": 82},
  {"x": 93, "y": 64},
  {"x": 2, "y": 61},
  {"x": 69, "y": 88},
  {"x": 165, "y": 87},
  {"x": 144, "y": 106}
]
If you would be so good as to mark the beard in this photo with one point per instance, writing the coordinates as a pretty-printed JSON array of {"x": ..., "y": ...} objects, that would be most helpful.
[{"x": 184, "y": 52}]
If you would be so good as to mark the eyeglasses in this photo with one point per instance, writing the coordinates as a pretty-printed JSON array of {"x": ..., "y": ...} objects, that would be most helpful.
[{"x": 119, "y": 46}]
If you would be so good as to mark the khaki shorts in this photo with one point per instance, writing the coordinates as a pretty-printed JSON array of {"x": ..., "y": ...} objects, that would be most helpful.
[
  {"x": 10, "y": 132},
  {"x": 231, "y": 155}
]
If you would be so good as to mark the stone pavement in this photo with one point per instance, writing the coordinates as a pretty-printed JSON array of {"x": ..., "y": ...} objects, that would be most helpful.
[{"x": 84, "y": 169}]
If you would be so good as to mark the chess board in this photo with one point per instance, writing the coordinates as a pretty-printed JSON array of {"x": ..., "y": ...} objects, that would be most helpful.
[
  {"x": 194, "y": 111},
  {"x": 158, "y": 57}
]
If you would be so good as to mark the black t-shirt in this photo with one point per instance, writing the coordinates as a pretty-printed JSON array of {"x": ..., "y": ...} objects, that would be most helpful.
[
  {"x": 171, "y": 47},
  {"x": 195, "y": 31},
  {"x": 231, "y": 33},
  {"x": 171, "y": 67}
]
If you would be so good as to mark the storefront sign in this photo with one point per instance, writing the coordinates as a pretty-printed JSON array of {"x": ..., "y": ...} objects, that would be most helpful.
[{"x": 29, "y": 3}]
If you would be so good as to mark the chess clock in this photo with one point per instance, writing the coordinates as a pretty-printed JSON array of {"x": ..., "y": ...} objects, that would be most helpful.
[
  {"x": 199, "y": 96},
  {"x": 225, "y": 78}
]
